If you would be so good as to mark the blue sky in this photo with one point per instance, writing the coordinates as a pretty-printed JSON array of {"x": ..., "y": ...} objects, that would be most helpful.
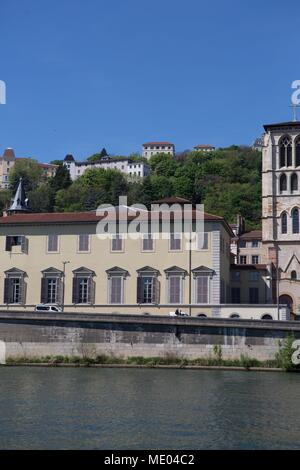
[{"x": 82, "y": 75}]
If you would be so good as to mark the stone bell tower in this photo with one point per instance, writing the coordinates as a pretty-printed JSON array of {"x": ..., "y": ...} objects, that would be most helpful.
[{"x": 281, "y": 210}]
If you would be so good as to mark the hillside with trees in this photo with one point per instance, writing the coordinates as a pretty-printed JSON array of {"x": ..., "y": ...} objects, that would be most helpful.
[{"x": 227, "y": 181}]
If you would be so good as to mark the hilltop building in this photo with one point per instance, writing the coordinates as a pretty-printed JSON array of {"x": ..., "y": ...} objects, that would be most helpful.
[
  {"x": 204, "y": 148},
  {"x": 131, "y": 168},
  {"x": 153, "y": 148},
  {"x": 7, "y": 162}
]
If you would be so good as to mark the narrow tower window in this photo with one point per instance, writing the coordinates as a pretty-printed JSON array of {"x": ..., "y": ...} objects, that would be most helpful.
[
  {"x": 294, "y": 182},
  {"x": 295, "y": 220},
  {"x": 282, "y": 183},
  {"x": 284, "y": 223},
  {"x": 285, "y": 151}
]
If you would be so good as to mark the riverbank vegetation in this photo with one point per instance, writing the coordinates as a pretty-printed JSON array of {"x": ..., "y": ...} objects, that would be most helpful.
[{"x": 227, "y": 181}]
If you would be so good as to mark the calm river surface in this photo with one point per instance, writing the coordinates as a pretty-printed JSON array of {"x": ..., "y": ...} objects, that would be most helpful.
[{"x": 148, "y": 409}]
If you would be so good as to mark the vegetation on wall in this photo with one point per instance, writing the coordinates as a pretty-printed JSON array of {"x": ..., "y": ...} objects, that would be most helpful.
[{"x": 227, "y": 181}]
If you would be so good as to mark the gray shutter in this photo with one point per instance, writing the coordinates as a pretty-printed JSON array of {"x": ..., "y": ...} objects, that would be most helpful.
[
  {"x": 44, "y": 290},
  {"x": 59, "y": 291},
  {"x": 24, "y": 245},
  {"x": 91, "y": 291},
  {"x": 156, "y": 291},
  {"x": 75, "y": 293},
  {"x": 139, "y": 290},
  {"x": 23, "y": 287},
  {"x": 8, "y": 244},
  {"x": 6, "y": 290}
]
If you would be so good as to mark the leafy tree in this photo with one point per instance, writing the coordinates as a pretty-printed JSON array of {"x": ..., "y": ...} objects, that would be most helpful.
[
  {"x": 61, "y": 180},
  {"x": 30, "y": 172}
]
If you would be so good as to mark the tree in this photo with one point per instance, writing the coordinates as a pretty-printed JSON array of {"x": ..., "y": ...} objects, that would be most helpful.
[
  {"x": 42, "y": 199},
  {"x": 30, "y": 172},
  {"x": 61, "y": 180}
]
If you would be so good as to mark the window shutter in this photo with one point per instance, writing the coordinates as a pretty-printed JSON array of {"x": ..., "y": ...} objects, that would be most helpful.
[
  {"x": 59, "y": 291},
  {"x": 139, "y": 290},
  {"x": 44, "y": 286},
  {"x": 24, "y": 245},
  {"x": 6, "y": 291},
  {"x": 91, "y": 291},
  {"x": 8, "y": 244},
  {"x": 75, "y": 293},
  {"x": 156, "y": 291},
  {"x": 22, "y": 291}
]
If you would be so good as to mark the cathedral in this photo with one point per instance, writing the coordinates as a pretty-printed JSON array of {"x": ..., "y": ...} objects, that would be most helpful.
[{"x": 280, "y": 211}]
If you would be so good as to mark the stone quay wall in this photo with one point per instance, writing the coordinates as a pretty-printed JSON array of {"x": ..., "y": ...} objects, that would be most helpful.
[{"x": 37, "y": 335}]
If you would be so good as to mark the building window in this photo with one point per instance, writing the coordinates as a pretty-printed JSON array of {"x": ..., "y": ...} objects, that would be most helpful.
[
  {"x": 283, "y": 183},
  {"x": 202, "y": 286},
  {"x": 116, "y": 285},
  {"x": 175, "y": 290},
  {"x": 148, "y": 287},
  {"x": 52, "y": 245},
  {"x": 295, "y": 220},
  {"x": 235, "y": 295},
  {"x": 203, "y": 241},
  {"x": 255, "y": 259},
  {"x": 83, "y": 286},
  {"x": 175, "y": 241},
  {"x": 14, "y": 287},
  {"x": 294, "y": 275},
  {"x": 84, "y": 242},
  {"x": 147, "y": 242},
  {"x": 254, "y": 243},
  {"x": 294, "y": 182},
  {"x": 117, "y": 242},
  {"x": 297, "y": 150},
  {"x": 16, "y": 243},
  {"x": 253, "y": 295},
  {"x": 285, "y": 151},
  {"x": 284, "y": 223},
  {"x": 253, "y": 276},
  {"x": 243, "y": 243},
  {"x": 243, "y": 259},
  {"x": 51, "y": 286},
  {"x": 235, "y": 275}
]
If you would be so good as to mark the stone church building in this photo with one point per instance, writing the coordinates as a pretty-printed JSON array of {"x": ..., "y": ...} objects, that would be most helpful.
[{"x": 280, "y": 210}]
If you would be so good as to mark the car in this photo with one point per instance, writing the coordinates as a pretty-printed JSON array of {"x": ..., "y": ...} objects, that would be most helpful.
[
  {"x": 179, "y": 314},
  {"x": 48, "y": 308}
]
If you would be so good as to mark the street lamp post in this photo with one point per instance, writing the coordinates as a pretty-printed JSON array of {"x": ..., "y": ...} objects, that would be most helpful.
[{"x": 63, "y": 286}]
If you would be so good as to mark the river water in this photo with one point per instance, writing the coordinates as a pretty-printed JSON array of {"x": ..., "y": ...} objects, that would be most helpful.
[{"x": 61, "y": 408}]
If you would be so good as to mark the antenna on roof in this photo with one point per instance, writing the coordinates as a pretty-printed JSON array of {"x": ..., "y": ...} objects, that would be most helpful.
[{"x": 294, "y": 107}]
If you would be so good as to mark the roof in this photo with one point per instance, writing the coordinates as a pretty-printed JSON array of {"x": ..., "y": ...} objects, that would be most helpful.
[
  {"x": 172, "y": 200},
  {"x": 158, "y": 143},
  {"x": 245, "y": 267},
  {"x": 252, "y": 235},
  {"x": 282, "y": 124},
  {"x": 19, "y": 203},
  {"x": 9, "y": 154},
  {"x": 204, "y": 146},
  {"x": 69, "y": 158},
  {"x": 63, "y": 218}
]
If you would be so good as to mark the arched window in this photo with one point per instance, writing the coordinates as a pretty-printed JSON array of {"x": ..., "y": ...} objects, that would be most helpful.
[
  {"x": 202, "y": 315},
  {"x": 295, "y": 220},
  {"x": 297, "y": 151},
  {"x": 266, "y": 316},
  {"x": 284, "y": 223},
  {"x": 234, "y": 315},
  {"x": 285, "y": 151},
  {"x": 282, "y": 183},
  {"x": 294, "y": 275},
  {"x": 294, "y": 182}
]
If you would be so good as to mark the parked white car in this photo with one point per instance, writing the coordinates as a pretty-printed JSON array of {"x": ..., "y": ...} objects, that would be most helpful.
[
  {"x": 179, "y": 314},
  {"x": 48, "y": 308}
]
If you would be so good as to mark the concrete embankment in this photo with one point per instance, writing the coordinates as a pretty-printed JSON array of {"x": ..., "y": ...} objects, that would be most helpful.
[{"x": 32, "y": 335}]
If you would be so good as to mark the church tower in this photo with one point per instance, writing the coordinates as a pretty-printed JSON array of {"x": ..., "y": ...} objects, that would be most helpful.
[{"x": 280, "y": 210}]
